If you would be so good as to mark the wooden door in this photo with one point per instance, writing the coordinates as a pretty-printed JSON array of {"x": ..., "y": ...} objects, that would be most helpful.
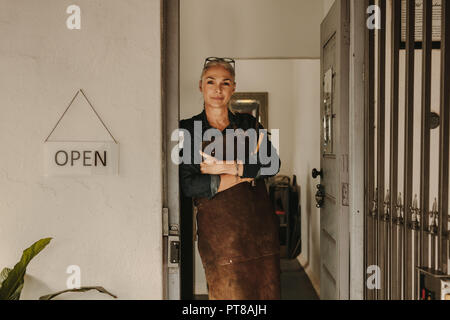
[{"x": 334, "y": 178}]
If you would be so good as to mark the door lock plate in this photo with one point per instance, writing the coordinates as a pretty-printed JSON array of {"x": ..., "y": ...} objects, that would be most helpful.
[{"x": 174, "y": 252}]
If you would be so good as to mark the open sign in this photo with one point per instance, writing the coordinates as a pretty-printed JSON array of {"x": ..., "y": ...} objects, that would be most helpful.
[{"x": 81, "y": 158}]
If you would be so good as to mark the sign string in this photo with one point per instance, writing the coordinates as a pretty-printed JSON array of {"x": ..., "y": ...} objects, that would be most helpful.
[{"x": 93, "y": 109}]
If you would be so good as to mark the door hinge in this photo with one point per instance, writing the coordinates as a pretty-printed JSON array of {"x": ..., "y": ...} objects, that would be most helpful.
[{"x": 165, "y": 222}]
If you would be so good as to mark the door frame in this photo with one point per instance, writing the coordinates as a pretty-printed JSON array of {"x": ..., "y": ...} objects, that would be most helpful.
[
  {"x": 170, "y": 104},
  {"x": 356, "y": 145}
]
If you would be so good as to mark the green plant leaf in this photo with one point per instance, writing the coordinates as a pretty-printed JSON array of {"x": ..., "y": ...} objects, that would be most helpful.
[
  {"x": 82, "y": 289},
  {"x": 4, "y": 275},
  {"x": 12, "y": 285},
  {"x": 16, "y": 294}
]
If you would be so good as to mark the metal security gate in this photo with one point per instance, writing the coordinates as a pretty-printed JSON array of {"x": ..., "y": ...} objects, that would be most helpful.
[{"x": 406, "y": 147}]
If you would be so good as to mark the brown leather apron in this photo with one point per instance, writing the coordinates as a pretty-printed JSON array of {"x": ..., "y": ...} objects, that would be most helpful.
[{"x": 239, "y": 244}]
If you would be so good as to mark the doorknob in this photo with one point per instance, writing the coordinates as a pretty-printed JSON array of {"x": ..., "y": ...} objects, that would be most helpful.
[
  {"x": 316, "y": 173},
  {"x": 320, "y": 196}
]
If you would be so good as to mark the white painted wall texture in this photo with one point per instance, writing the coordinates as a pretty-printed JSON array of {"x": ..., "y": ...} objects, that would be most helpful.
[
  {"x": 243, "y": 29},
  {"x": 110, "y": 226},
  {"x": 306, "y": 157}
]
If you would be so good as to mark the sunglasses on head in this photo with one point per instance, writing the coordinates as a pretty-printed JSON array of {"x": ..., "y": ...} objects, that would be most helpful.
[{"x": 217, "y": 59}]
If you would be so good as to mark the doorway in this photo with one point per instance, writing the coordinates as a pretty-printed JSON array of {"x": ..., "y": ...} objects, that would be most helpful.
[
  {"x": 293, "y": 93},
  {"x": 296, "y": 114}
]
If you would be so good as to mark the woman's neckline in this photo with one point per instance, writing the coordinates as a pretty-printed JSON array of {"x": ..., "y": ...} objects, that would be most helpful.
[{"x": 225, "y": 124}]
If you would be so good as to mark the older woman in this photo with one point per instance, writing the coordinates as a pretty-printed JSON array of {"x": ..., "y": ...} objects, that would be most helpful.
[{"x": 237, "y": 227}]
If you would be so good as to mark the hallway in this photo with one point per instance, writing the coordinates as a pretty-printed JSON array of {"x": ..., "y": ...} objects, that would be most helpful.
[{"x": 295, "y": 284}]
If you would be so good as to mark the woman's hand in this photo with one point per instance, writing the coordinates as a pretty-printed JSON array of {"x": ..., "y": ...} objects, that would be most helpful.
[
  {"x": 213, "y": 166},
  {"x": 228, "y": 171}
]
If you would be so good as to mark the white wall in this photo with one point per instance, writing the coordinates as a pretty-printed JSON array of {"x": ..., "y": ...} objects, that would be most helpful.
[
  {"x": 275, "y": 77},
  {"x": 306, "y": 142},
  {"x": 243, "y": 29},
  {"x": 109, "y": 226}
]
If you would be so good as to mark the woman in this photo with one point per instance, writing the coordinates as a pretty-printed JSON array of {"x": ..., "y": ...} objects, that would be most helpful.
[{"x": 237, "y": 227}]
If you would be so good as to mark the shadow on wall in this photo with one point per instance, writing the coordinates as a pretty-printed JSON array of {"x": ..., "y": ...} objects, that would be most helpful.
[{"x": 34, "y": 288}]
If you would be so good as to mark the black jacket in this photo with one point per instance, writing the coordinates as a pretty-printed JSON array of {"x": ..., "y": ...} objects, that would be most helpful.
[{"x": 193, "y": 183}]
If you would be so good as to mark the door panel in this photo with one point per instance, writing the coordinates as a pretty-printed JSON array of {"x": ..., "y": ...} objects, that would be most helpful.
[
  {"x": 334, "y": 237},
  {"x": 328, "y": 246}
]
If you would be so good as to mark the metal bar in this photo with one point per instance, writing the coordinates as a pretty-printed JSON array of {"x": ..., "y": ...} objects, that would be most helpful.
[
  {"x": 444, "y": 138},
  {"x": 433, "y": 252},
  {"x": 369, "y": 148},
  {"x": 420, "y": 233},
  {"x": 401, "y": 256},
  {"x": 433, "y": 239},
  {"x": 395, "y": 277},
  {"x": 375, "y": 228},
  {"x": 381, "y": 109},
  {"x": 416, "y": 261},
  {"x": 409, "y": 141},
  {"x": 425, "y": 130}
]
